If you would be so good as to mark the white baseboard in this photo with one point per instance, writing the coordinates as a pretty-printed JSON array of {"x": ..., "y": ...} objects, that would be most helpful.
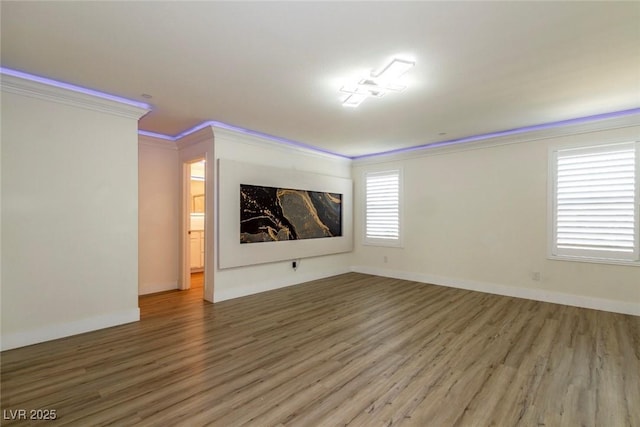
[
  {"x": 269, "y": 285},
  {"x": 61, "y": 330},
  {"x": 152, "y": 288},
  {"x": 615, "y": 306}
]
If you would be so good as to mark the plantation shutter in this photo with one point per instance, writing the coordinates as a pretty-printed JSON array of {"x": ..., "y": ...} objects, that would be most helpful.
[
  {"x": 596, "y": 202},
  {"x": 382, "y": 206}
]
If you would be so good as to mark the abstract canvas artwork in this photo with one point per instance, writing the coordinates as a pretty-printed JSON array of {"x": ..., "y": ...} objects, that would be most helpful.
[{"x": 270, "y": 214}]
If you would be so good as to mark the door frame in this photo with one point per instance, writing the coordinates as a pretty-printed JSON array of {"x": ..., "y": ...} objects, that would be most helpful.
[
  {"x": 194, "y": 147},
  {"x": 185, "y": 283}
]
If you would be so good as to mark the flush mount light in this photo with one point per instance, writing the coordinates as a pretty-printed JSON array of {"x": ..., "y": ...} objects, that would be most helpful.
[
  {"x": 393, "y": 70},
  {"x": 377, "y": 83},
  {"x": 354, "y": 100},
  {"x": 364, "y": 90}
]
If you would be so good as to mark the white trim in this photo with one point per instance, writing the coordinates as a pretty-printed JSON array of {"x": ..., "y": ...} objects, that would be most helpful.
[
  {"x": 19, "y": 86},
  {"x": 536, "y": 135},
  {"x": 61, "y": 330},
  {"x": 195, "y": 146},
  {"x": 615, "y": 306},
  {"x": 554, "y": 257},
  {"x": 391, "y": 243},
  {"x": 553, "y": 253},
  {"x": 268, "y": 285},
  {"x": 201, "y": 135},
  {"x": 149, "y": 141},
  {"x": 273, "y": 144},
  {"x": 152, "y": 288}
]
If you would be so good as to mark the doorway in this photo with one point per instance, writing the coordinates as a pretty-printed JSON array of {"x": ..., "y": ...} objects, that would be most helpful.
[{"x": 194, "y": 220}]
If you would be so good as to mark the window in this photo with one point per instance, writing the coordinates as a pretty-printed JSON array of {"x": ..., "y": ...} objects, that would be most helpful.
[
  {"x": 382, "y": 208},
  {"x": 594, "y": 203}
]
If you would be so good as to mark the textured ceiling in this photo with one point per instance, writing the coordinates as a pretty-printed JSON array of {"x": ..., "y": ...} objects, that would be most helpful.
[{"x": 276, "y": 67}]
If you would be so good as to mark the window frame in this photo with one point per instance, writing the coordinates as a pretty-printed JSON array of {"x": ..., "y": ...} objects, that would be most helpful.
[
  {"x": 555, "y": 253},
  {"x": 373, "y": 241}
]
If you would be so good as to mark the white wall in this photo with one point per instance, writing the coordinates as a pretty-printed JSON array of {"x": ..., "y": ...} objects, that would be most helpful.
[
  {"x": 235, "y": 282},
  {"x": 477, "y": 219},
  {"x": 159, "y": 215},
  {"x": 160, "y": 257},
  {"x": 70, "y": 215},
  {"x": 233, "y": 174}
]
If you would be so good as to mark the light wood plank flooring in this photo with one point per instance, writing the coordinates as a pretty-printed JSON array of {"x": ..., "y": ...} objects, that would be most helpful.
[{"x": 351, "y": 350}]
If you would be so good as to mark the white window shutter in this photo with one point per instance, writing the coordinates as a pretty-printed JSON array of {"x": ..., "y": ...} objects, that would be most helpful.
[
  {"x": 595, "y": 203},
  {"x": 382, "y": 207}
]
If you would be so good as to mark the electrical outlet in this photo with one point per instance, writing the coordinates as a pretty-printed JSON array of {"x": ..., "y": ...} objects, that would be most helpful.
[
  {"x": 385, "y": 258},
  {"x": 294, "y": 264},
  {"x": 535, "y": 276}
]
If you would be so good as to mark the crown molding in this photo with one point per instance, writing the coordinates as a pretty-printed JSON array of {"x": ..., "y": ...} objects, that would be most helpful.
[
  {"x": 274, "y": 144},
  {"x": 437, "y": 148},
  {"x": 39, "y": 90},
  {"x": 149, "y": 141},
  {"x": 203, "y": 134}
]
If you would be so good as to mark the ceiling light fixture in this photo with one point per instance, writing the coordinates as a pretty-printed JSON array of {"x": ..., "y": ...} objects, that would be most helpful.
[
  {"x": 378, "y": 83},
  {"x": 393, "y": 70},
  {"x": 354, "y": 100}
]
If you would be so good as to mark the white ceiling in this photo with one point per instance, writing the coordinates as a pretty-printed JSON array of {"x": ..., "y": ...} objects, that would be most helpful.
[{"x": 276, "y": 67}]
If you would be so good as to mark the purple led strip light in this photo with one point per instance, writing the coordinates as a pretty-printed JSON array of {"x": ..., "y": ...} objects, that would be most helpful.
[
  {"x": 68, "y": 86},
  {"x": 239, "y": 130},
  {"x": 515, "y": 131},
  {"x": 401, "y": 150},
  {"x": 55, "y": 83}
]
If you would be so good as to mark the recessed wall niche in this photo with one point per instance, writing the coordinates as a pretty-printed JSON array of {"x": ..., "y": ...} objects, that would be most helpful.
[{"x": 233, "y": 175}]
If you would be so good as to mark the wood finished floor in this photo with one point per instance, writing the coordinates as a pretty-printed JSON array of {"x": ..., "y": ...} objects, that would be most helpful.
[{"x": 352, "y": 350}]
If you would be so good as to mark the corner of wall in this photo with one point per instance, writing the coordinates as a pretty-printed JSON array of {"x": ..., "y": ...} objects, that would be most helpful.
[
  {"x": 615, "y": 306},
  {"x": 62, "y": 330}
]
